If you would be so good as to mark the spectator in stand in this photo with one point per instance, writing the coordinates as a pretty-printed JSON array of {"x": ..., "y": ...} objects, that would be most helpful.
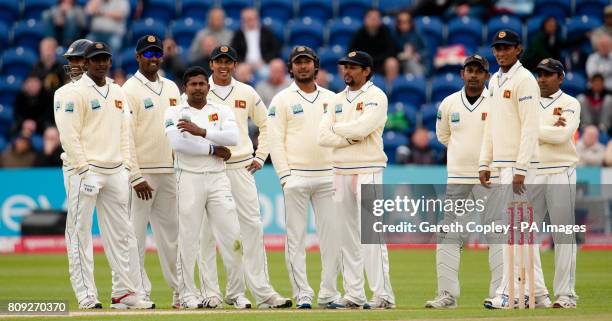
[
  {"x": 215, "y": 26},
  {"x": 48, "y": 69},
  {"x": 18, "y": 154},
  {"x": 52, "y": 149},
  {"x": 391, "y": 71},
  {"x": 375, "y": 39},
  {"x": 255, "y": 44},
  {"x": 207, "y": 44},
  {"x": 322, "y": 78},
  {"x": 600, "y": 62},
  {"x": 590, "y": 150},
  {"x": 420, "y": 151},
  {"x": 35, "y": 103},
  {"x": 119, "y": 76},
  {"x": 409, "y": 44},
  {"x": 244, "y": 73},
  {"x": 65, "y": 21},
  {"x": 547, "y": 43},
  {"x": 108, "y": 19},
  {"x": 173, "y": 65},
  {"x": 605, "y": 29},
  {"x": 596, "y": 105},
  {"x": 608, "y": 154},
  {"x": 521, "y": 8},
  {"x": 277, "y": 81}
]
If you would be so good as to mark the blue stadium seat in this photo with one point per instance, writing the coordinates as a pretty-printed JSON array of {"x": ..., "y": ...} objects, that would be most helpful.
[
  {"x": 9, "y": 87},
  {"x": 533, "y": 27},
  {"x": 393, "y": 6},
  {"x": 196, "y": 9},
  {"x": 604, "y": 138},
  {"x": 341, "y": 31},
  {"x": 355, "y": 9},
  {"x": 276, "y": 26},
  {"x": 9, "y": 11},
  {"x": 392, "y": 140},
  {"x": 280, "y": 10},
  {"x": 145, "y": 27},
  {"x": 18, "y": 62},
  {"x": 465, "y": 30},
  {"x": 307, "y": 32},
  {"x": 444, "y": 85},
  {"x": 233, "y": 7},
  {"x": 431, "y": 28},
  {"x": 498, "y": 23},
  {"x": 127, "y": 60},
  {"x": 560, "y": 9},
  {"x": 3, "y": 141},
  {"x": 329, "y": 56},
  {"x": 4, "y": 35},
  {"x": 409, "y": 89},
  {"x": 580, "y": 25},
  {"x": 379, "y": 81},
  {"x": 574, "y": 84},
  {"x": 28, "y": 33},
  {"x": 336, "y": 83},
  {"x": 161, "y": 10},
  {"x": 37, "y": 142},
  {"x": 592, "y": 8},
  {"x": 428, "y": 116},
  {"x": 232, "y": 24},
  {"x": 33, "y": 9},
  {"x": 321, "y": 10},
  {"x": 184, "y": 30},
  {"x": 487, "y": 52}
]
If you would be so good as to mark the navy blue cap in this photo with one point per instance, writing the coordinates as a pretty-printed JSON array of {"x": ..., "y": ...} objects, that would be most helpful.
[
  {"x": 360, "y": 58},
  {"x": 147, "y": 42}
]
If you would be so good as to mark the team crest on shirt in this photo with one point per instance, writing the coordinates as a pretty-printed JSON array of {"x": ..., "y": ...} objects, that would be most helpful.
[
  {"x": 338, "y": 108},
  {"x": 95, "y": 104},
  {"x": 272, "y": 111},
  {"x": 439, "y": 115},
  {"x": 359, "y": 106},
  {"x": 213, "y": 117},
  {"x": 58, "y": 105},
  {"x": 557, "y": 111},
  {"x": 148, "y": 103},
  {"x": 507, "y": 94},
  {"x": 172, "y": 101},
  {"x": 240, "y": 104},
  {"x": 297, "y": 109},
  {"x": 454, "y": 117},
  {"x": 483, "y": 116},
  {"x": 118, "y": 104},
  {"x": 69, "y": 108}
]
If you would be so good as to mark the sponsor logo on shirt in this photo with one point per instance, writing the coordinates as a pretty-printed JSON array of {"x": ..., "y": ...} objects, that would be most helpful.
[
  {"x": 57, "y": 105},
  {"x": 507, "y": 94},
  {"x": 95, "y": 104},
  {"x": 240, "y": 104},
  {"x": 148, "y": 103},
  {"x": 297, "y": 109},
  {"x": 557, "y": 111},
  {"x": 439, "y": 115},
  {"x": 338, "y": 108},
  {"x": 169, "y": 123},
  {"x": 525, "y": 98},
  {"x": 454, "y": 117},
  {"x": 69, "y": 107},
  {"x": 272, "y": 111}
]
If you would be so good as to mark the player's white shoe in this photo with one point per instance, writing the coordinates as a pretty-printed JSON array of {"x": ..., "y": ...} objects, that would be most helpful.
[
  {"x": 498, "y": 302},
  {"x": 565, "y": 302},
  {"x": 444, "y": 300},
  {"x": 379, "y": 303},
  {"x": 212, "y": 302},
  {"x": 275, "y": 302},
  {"x": 176, "y": 300},
  {"x": 192, "y": 303},
  {"x": 239, "y": 302},
  {"x": 131, "y": 301},
  {"x": 90, "y": 302},
  {"x": 541, "y": 302},
  {"x": 343, "y": 303},
  {"x": 304, "y": 302}
]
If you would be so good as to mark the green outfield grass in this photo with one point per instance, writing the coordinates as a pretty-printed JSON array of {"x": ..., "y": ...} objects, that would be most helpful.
[{"x": 45, "y": 277}]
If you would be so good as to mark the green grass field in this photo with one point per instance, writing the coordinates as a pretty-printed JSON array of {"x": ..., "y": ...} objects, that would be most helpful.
[{"x": 45, "y": 277}]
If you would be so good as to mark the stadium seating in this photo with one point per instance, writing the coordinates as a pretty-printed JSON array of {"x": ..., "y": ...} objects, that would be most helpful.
[
  {"x": 393, "y": 140},
  {"x": 591, "y": 8},
  {"x": 196, "y": 9},
  {"x": 466, "y": 31},
  {"x": 128, "y": 61},
  {"x": 574, "y": 84},
  {"x": 146, "y": 27},
  {"x": 276, "y": 26},
  {"x": 560, "y": 9},
  {"x": 232, "y": 24},
  {"x": 533, "y": 26},
  {"x": 9, "y": 11},
  {"x": 33, "y": 9},
  {"x": 409, "y": 89},
  {"x": 444, "y": 85},
  {"x": 18, "y": 62},
  {"x": 498, "y": 23},
  {"x": 28, "y": 33},
  {"x": 393, "y": 6},
  {"x": 184, "y": 30},
  {"x": 233, "y": 7},
  {"x": 329, "y": 57},
  {"x": 355, "y": 9},
  {"x": 432, "y": 30},
  {"x": 428, "y": 114},
  {"x": 9, "y": 87},
  {"x": 321, "y": 10},
  {"x": 161, "y": 10},
  {"x": 487, "y": 52},
  {"x": 4, "y": 35},
  {"x": 280, "y": 10},
  {"x": 341, "y": 31},
  {"x": 307, "y": 32},
  {"x": 577, "y": 26}
]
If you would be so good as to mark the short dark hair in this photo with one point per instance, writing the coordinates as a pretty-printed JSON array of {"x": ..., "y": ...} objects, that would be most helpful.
[
  {"x": 597, "y": 75},
  {"x": 192, "y": 72}
]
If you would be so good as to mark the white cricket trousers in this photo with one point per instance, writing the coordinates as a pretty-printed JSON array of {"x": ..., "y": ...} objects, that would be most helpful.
[
  {"x": 355, "y": 256},
  {"x": 200, "y": 195},
  {"x": 318, "y": 191},
  {"x": 556, "y": 194},
  {"x": 507, "y": 196},
  {"x": 111, "y": 201},
  {"x": 160, "y": 212},
  {"x": 254, "y": 259}
]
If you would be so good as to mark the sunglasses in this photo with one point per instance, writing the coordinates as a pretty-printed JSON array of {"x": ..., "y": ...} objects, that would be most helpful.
[{"x": 151, "y": 53}]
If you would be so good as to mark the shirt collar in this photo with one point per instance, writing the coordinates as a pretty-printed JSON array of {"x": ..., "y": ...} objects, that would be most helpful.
[
  {"x": 363, "y": 88},
  {"x": 89, "y": 82},
  {"x": 214, "y": 86},
  {"x": 554, "y": 96},
  {"x": 144, "y": 79},
  {"x": 294, "y": 87},
  {"x": 512, "y": 70}
]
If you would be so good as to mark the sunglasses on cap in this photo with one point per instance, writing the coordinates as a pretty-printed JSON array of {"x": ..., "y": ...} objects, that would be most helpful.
[{"x": 152, "y": 53}]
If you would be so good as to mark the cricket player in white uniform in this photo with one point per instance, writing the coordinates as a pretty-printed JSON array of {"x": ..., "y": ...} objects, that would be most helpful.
[
  {"x": 246, "y": 103},
  {"x": 460, "y": 122},
  {"x": 556, "y": 179},
  {"x": 510, "y": 143},
  {"x": 198, "y": 131},
  {"x": 96, "y": 109},
  {"x": 305, "y": 172},
  {"x": 153, "y": 197},
  {"x": 353, "y": 126}
]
